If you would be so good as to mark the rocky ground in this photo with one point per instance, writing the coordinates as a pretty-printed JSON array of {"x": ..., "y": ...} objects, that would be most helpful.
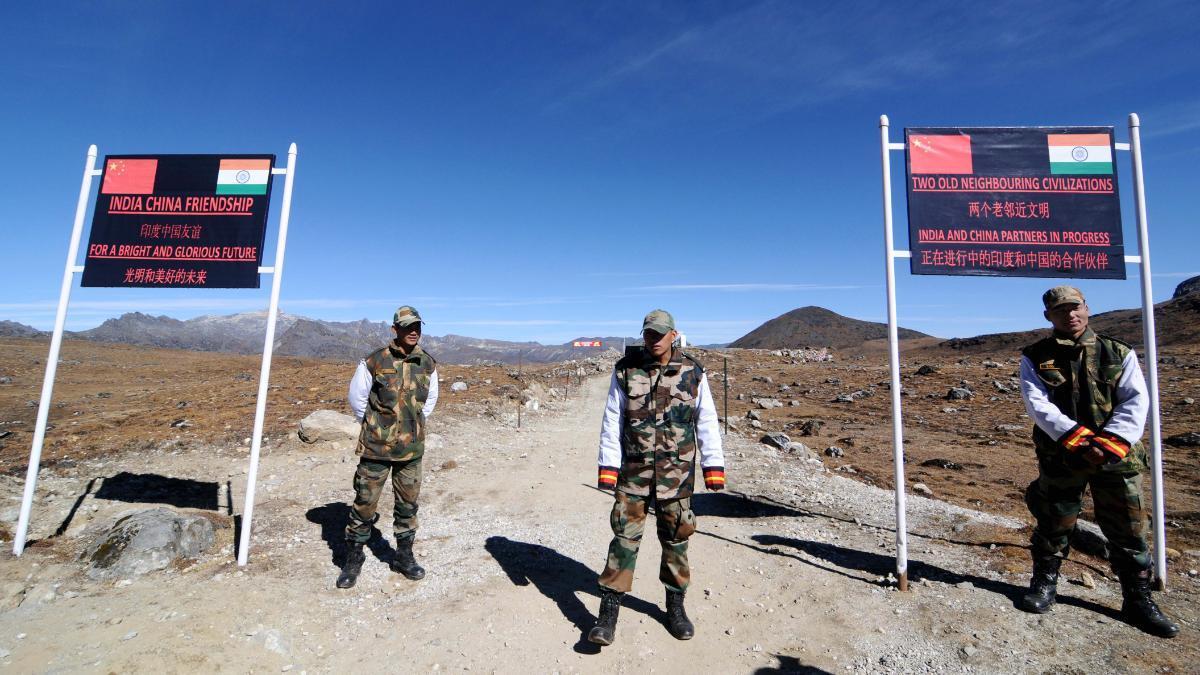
[{"x": 791, "y": 565}]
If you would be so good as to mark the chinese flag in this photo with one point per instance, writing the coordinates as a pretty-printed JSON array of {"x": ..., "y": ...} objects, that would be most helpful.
[
  {"x": 129, "y": 177},
  {"x": 940, "y": 154}
]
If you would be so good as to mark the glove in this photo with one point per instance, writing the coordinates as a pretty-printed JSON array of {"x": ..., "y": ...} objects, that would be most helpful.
[
  {"x": 1076, "y": 438},
  {"x": 608, "y": 478},
  {"x": 714, "y": 478},
  {"x": 1113, "y": 446}
]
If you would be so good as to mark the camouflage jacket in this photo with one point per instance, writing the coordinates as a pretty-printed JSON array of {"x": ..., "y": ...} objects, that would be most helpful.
[
  {"x": 1094, "y": 382},
  {"x": 393, "y": 425},
  {"x": 658, "y": 425}
]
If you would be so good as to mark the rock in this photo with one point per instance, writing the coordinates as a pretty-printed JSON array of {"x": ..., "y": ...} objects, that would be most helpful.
[
  {"x": 926, "y": 370},
  {"x": 5, "y": 380},
  {"x": 794, "y": 403},
  {"x": 799, "y": 449},
  {"x": 776, "y": 439},
  {"x": 181, "y": 423},
  {"x": 969, "y": 650},
  {"x": 949, "y": 410},
  {"x": 1188, "y": 400},
  {"x": 1086, "y": 580},
  {"x": 532, "y": 404},
  {"x": 330, "y": 426},
  {"x": 833, "y": 380},
  {"x": 458, "y": 386},
  {"x": 1087, "y": 538},
  {"x": 1001, "y": 387},
  {"x": 1190, "y": 439},
  {"x": 852, "y": 396},
  {"x": 811, "y": 427},
  {"x": 834, "y": 451},
  {"x": 942, "y": 464},
  {"x": 146, "y": 541},
  {"x": 449, "y": 464},
  {"x": 756, "y": 424},
  {"x": 959, "y": 394},
  {"x": 762, "y": 378},
  {"x": 753, "y": 415},
  {"x": 922, "y": 489},
  {"x": 1173, "y": 553},
  {"x": 990, "y": 364},
  {"x": 767, "y": 403},
  {"x": 1009, "y": 427},
  {"x": 11, "y": 595}
]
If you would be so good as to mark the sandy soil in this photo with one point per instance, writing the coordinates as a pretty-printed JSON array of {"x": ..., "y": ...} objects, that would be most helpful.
[{"x": 790, "y": 566}]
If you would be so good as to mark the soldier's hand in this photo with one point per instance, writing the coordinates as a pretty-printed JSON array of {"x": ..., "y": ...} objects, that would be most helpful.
[
  {"x": 1093, "y": 455},
  {"x": 714, "y": 478}
]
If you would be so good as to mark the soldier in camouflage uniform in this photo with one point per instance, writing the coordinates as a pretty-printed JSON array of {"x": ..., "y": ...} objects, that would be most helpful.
[
  {"x": 393, "y": 393},
  {"x": 659, "y": 414},
  {"x": 1087, "y": 397}
]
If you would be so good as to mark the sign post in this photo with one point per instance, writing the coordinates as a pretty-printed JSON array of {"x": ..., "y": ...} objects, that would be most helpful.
[
  {"x": 1018, "y": 201},
  {"x": 60, "y": 320},
  {"x": 171, "y": 221}
]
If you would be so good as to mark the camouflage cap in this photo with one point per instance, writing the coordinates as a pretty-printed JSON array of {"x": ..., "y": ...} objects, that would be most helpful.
[
  {"x": 1062, "y": 295},
  {"x": 660, "y": 321},
  {"x": 406, "y": 316}
]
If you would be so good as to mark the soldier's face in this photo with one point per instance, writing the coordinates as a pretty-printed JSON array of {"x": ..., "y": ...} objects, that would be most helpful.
[
  {"x": 1069, "y": 318},
  {"x": 658, "y": 344},
  {"x": 408, "y": 335}
]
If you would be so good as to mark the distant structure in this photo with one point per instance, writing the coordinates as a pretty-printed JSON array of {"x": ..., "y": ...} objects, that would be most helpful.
[{"x": 681, "y": 341}]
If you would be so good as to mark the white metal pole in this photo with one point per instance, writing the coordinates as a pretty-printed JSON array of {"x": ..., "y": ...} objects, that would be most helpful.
[
  {"x": 894, "y": 358},
  {"x": 1148, "y": 337},
  {"x": 60, "y": 320},
  {"x": 268, "y": 347}
]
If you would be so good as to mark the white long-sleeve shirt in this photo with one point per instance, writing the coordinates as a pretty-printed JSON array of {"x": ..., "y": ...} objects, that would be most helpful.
[
  {"x": 708, "y": 433},
  {"x": 360, "y": 390},
  {"x": 1129, "y": 412}
]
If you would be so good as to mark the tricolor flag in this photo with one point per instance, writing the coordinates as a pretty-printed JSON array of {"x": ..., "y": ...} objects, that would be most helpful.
[
  {"x": 1080, "y": 153},
  {"x": 243, "y": 176},
  {"x": 129, "y": 177},
  {"x": 940, "y": 154}
]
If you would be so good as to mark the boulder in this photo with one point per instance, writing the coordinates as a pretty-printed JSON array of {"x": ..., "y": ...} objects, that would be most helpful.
[
  {"x": 776, "y": 439},
  {"x": 146, "y": 541},
  {"x": 458, "y": 386},
  {"x": 811, "y": 427},
  {"x": 1087, "y": 538},
  {"x": 926, "y": 370},
  {"x": 767, "y": 403},
  {"x": 834, "y": 451},
  {"x": 330, "y": 426},
  {"x": 1189, "y": 440},
  {"x": 959, "y": 394}
]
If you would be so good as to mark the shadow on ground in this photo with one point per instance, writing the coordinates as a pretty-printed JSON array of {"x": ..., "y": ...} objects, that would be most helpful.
[
  {"x": 332, "y": 519},
  {"x": 791, "y": 664},
  {"x": 841, "y": 558},
  {"x": 182, "y": 493},
  {"x": 560, "y": 579}
]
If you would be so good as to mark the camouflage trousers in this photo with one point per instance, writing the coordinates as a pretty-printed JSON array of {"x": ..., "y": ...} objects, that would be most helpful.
[
  {"x": 1056, "y": 498},
  {"x": 369, "y": 480},
  {"x": 675, "y": 523}
]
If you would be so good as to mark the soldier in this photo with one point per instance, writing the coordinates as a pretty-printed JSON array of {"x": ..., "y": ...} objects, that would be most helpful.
[
  {"x": 393, "y": 393},
  {"x": 659, "y": 412},
  {"x": 1087, "y": 398}
]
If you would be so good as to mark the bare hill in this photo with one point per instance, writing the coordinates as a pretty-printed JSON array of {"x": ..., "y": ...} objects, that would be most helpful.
[
  {"x": 1176, "y": 321},
  {"x": 816, "y": 327}
]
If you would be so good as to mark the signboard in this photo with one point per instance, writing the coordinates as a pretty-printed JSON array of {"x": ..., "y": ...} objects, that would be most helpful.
[
  {"x": 1014, "y": 201},
  {"x": 587, "y": 343},
  {"x": 179, "y": 221}
]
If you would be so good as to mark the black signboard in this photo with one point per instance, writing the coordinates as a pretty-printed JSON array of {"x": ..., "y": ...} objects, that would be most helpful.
[
  {"x": 179, "y": 221},
  {"x": 1014, "y": 201}
]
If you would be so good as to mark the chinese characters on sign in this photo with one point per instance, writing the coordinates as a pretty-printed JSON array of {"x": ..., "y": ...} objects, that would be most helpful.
[
  {"x": 588, "y": 343},
  {"x": 179, "y": 221},
  {"x": 1021, "y": 201}
]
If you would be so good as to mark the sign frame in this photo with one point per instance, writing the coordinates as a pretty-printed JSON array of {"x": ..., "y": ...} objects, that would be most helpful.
[
  {"x": 71, "y": 269},
  {"x": 891, "y": 255}
]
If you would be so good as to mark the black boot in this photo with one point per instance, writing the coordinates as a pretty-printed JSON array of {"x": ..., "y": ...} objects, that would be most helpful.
[
  {"x": 404, "y": 562},
  {"x": 605, "y": 630},
  {"x": 678, "y": 624},
  {"x": 1043, "y": 587},
  {"x": 1139, "y": 608},
  {"x": 352, "y": 567}
]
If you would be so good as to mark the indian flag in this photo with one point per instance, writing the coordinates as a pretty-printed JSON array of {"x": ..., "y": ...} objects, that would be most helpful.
[
  {"x": 243, "y": 176},
  {"x": 1080, "y": 153}
]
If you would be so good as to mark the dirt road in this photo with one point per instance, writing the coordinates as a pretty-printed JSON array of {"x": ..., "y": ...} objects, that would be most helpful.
[{"x": 789, "y": 572}]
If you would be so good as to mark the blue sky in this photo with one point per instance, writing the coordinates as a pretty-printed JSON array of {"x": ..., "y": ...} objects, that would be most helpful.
[{"x": 552, "y": 170}]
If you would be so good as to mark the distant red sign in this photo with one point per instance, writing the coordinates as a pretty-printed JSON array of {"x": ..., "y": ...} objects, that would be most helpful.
[{"x": 588, "y": 343}]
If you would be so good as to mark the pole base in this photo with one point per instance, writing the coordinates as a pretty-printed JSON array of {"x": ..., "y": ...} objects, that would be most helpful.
[{"x": 902, "y": 581}]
